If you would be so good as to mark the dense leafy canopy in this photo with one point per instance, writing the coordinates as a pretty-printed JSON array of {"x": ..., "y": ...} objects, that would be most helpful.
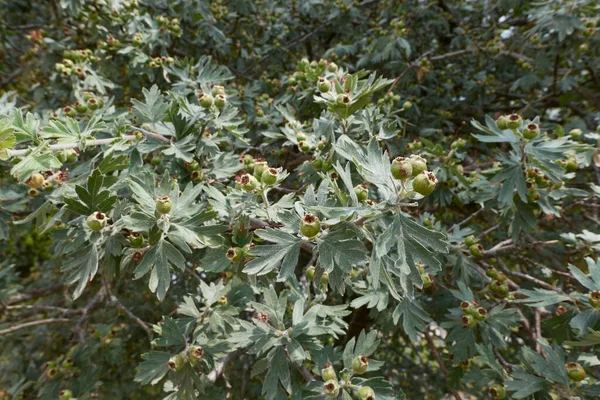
[{"x": 306, "y": 200}]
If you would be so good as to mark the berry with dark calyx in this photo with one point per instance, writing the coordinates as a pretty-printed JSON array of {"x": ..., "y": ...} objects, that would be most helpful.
[
  {"x": 401, "y": 168},
  {"x": 310, "y": 273},
  {"x": 70, "y": 111},
  {"x": 514, "y": 121},
  {"x": 425, "y": 183},
  {"x": 331, "y": 387},
  {"x": 35, "y": 181},
  {"x": 136, "y": 240},
  {"x": 248, "y": 182},
  {"x": 206, "y": 100},
  {"x": 467, "y": 320},
  {"x": 575, "y": 371},
  {"x": 68, "y": 363},
  {"x": 360, "y": 365},
  {"x": 269, "y": 176},
  {"x": 407, "y": 105},
  {"x": 65, "y": 394},
  {"x": 197, "y": 176},
  {"x": 323, "y": 85},
  {"x": 220, "y": 101},
  {"x": 328, "y": 373},
  {"x": 366, "y": 393},
  {"x": 304, "y": 146},
  {"x": 164, "y": 205},
  {"x": 467, "y": 307},
  {"x": 97, "y": 221},
  {"x": 310, "y": 226},
  {"x": 480, "y": 314},
  {"x": 418, "y": 163},
  {"x": 33, "y": 192},
  {"x": 260, "y": 166},
  {"x": 52, "y": 372},
  {"x": 92, "y": 104},
  {"x": 195, "y": 353},
  {"x": 476, "y": 250},
  {"x": 497, "y": 391},
  {"x": 502, "y": 122},
  {"x": 222, "y": 301},
  {"x": 531, "y": 131},
  {"x": 235, "y": 254},
  {"x": 176, "y": 362},
  {"x": 594, "y": 298},
  {"x": 470, "y": 240},
  {"x": 362, "y": 192}
]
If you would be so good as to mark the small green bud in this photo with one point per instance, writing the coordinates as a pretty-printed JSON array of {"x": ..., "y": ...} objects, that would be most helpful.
[
  {"x": 259, "y": 168},
  {"x": 310, "y": 273},
  {"x": 332, "y": 67},
  {"x": 407, "y": 105},
  {"x": 470, "y": 240},
  {"x": 502, "y": 122},
  {"x": 362, "y": 192}
]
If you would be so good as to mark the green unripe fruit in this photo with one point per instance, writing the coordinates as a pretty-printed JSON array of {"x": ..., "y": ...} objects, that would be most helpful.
[
  {"x": 502, "y": 122},
  {"x": 418, "y": 163},
  {"x": 476, "y": 250},
  {"x": 100, "y": 102},
  {"x": 52, "y": 373},
  {"x": 499, "y": 288},
  {"x": 176, "y": 363},
  {"x": 480, "y": 314},
  {"x": 323, "y": 85},
  {"x": 497, "y": 391},
  {"x": 70, "y": 111},
  {"x": 259, "y": 168},
  {"x": 136, "y": 240},
  {"x": 325, "y": 278},
  {"x": 332, "y": 67},
  {"x": 310, "y": 226},
  {"x": 470, "y": 240},
  {"x": 362, "y": 192},
  {"x": 317, "y": 164},
  {"x": 467, "y": 308},
  {"x": 594, "y": 298},
  {"x": 401, "y": 168},
  {"x": 332, "y": 389},
  {"x": 220, "y": 101},
  {"x": 314, "y": 65},
  {"x": 353, "y": 274},
  {"x": 206, "y": 100},
  {"x": 300, "y": 136},
  {"x": 217, "y": 90},
  {"x": 97, "y": 221},
  {"x": 514, "y": 121},
  {"x": 328, "y": 373},
  {"x": 195, "y": 352},
  {"x": 269, "y": 176},
  {"x": 427, "y": 280},
  {"x": 92, "y": 104},
  {"x": 576, "y": 133},
  {"x": 467, "y": 320},
  {"x": 80, "y": 107},
  {"x": 458, "y": 144},
  {"x": 197, "y": 176},
  {"x": 531, "y": 131},
  {"x": 235, "y": 254},
  {"x": 575, "y": 371},
  {"x": 303, "y": 64},
  {"x": 248, "y": 182},
  {"x": 310, "y": 273},
  {"x": 571, "y": 165},
  {"x": 360, "y": 365},
  {"x": 343, "y": 99},
  {"x": 68, "y": 363},
  {"x": 425, "y": 183},
  {"x": 407, "y": 105},
  {"x": 223, "y": 301},
  {"x": 156, "y": 160},
  {"x": 65, "y": 394},
  {"x": 321, "y": 144},
  {"x": 492, "y": 273},
  {"x": 35, "y": 181},
  {"x": 304, "y": 146},
  {"x": 164, "y": 205},
  {"x": 327, "y": 166},
  {"x": 366, "y": 393},
  {"x": 248, "y": 159}
]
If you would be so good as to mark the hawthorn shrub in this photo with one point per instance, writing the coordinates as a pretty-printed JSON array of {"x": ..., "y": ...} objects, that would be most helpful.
[{"x": 299, "y": 200}]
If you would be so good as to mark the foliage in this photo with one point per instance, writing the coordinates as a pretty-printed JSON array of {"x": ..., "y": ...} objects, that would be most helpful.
[{"x": 240, "y": 199}]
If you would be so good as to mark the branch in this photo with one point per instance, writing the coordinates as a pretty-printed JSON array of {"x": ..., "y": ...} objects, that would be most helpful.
[
  {"x": 440, "y": 362},
  {"x": 33, "y": 323},
  {"x": 45, "y": 308},
  {"x": 35, "y": 293},
  {"x": 144, "y": 325}
]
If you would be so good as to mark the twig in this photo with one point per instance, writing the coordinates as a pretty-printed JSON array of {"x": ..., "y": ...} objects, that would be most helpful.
[
  {"x": 538, "y": 332},
  {"x": 144, "y": 325},
  {"x": 45, "y": 308},
  {"x": 33, "y": 323},
  {"x": 218, "y": 370},
  {"x": 440, "y": 362},
  {"x": 469, "y": 218},
  {"x": 35, "y": 293},
  {"x": 506, "y": 365},
  {"x": 86, "y": 313}
]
